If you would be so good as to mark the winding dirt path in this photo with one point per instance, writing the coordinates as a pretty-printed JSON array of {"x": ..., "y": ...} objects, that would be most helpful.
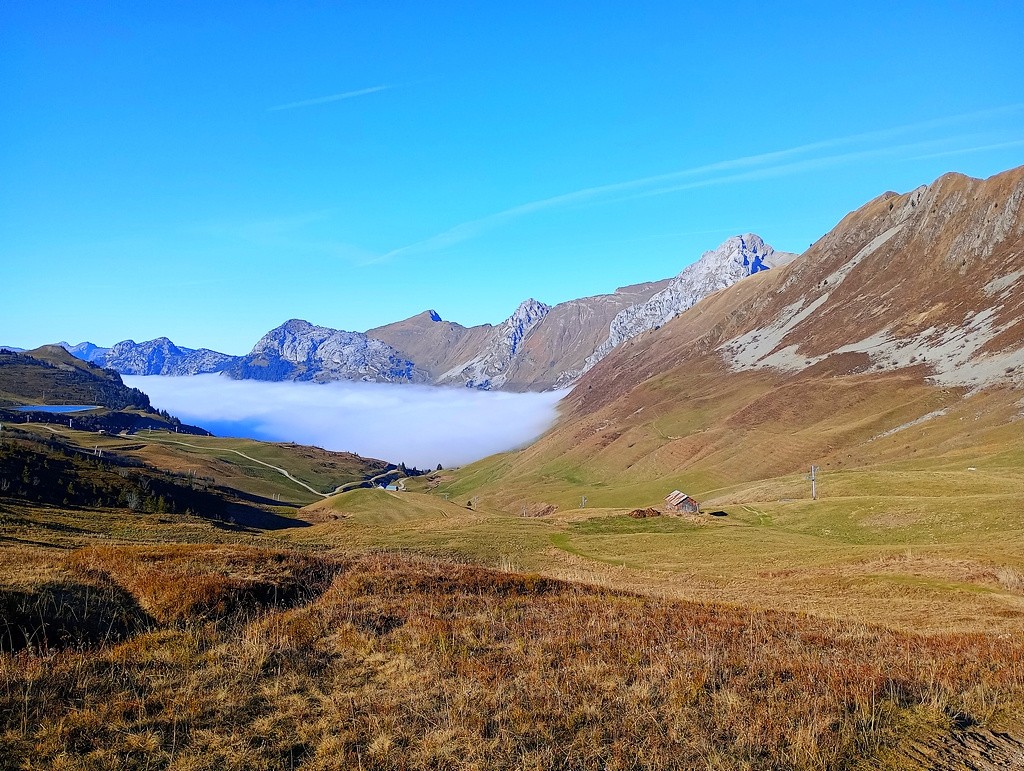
[
  {"x": 284, "y": 472},
  {"x": 278, "y": 469}
]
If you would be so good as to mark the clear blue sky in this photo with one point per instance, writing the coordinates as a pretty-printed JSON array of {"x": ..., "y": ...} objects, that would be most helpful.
[{"x": 206, "y": 171}]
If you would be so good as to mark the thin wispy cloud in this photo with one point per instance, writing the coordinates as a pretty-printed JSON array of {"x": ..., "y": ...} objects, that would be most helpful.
[
  {"x": 328, "y": 99},
  {"x": 969, "y": 150},
  {"x": 800, "y": 166},
  {"x": 418, "y": 425},
  {"x": 762, "y": 165}
]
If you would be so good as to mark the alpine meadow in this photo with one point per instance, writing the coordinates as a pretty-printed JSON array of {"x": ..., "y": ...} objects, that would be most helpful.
[{"x": 669, "y": 494}]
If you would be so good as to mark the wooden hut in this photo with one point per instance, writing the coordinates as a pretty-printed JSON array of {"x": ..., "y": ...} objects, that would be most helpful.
[{"x": 677, "y": 501}]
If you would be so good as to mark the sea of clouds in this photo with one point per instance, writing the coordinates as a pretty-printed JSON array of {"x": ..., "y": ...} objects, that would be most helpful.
[{"x": 417, "y": 425}]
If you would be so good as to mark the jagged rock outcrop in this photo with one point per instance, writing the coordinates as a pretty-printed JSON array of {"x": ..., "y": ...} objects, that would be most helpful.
[
  {"x": 298, "y": 350},
  {"x": 736, "y": 258},
  {"x": 561, "y": 342},
  {"x": 161, "y": 357},
  {"x": 489, "y": 368},
  {"x": 85, "y": 351},
  {"x": 152, "y": 357}
]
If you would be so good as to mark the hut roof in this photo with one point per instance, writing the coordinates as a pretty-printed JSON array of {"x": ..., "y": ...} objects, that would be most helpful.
[{"x": 675, "y": 497}]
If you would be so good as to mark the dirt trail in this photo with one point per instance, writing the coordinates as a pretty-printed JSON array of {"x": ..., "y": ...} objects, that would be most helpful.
[
  {"x": 284, "y": 472},
  {"x": 278, "y": 469}
]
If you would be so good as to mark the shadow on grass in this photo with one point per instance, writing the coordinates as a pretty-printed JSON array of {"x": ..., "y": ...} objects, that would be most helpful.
[
  {"x": 68, "y": 614},
  {"x": 251, "y": 516}
]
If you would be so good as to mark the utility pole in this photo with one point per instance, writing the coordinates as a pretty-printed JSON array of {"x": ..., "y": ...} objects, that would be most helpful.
[{"x": 814, "y": 483}]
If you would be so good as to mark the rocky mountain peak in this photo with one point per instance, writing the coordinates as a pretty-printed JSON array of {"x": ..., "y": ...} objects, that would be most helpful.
[
  {"x": 530, "y": 309},
  {"x": 293, "y": 327},
  {"x": 299, "y": 350},
  {"x": 523, "y": 319},
  {"x": 735, "y": 258},
  {"x": 489, "y": 368}
]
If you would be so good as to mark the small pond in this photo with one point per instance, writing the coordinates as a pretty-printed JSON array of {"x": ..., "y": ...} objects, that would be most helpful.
[{"x": 60, "y": 408}]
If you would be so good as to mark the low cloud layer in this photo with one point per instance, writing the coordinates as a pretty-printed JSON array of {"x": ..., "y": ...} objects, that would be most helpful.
[{"x": 418, "y": 425}]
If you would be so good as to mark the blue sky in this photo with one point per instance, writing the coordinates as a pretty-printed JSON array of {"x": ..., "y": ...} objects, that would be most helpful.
[{"x": 206, "y": 171}]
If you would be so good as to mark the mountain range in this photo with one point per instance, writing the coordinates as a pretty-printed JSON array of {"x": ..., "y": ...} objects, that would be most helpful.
[
  {"x": 932, "y": 285},
  {"x": 539, "y": 347},
  {"x": 927, "y": 283}
]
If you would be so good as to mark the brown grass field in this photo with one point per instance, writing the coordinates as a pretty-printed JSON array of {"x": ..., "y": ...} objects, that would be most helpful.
[{"x": 236, "y": 656}]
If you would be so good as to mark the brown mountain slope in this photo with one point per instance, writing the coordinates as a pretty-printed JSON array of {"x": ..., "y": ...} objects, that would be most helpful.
[
  {"x": 568, "y": 334},
  {"x": 895, "y": 336},
  {"x": 434, "y": 345},
  {"x": 931, "y": 281},
  {"x": 559, "y": 342}
]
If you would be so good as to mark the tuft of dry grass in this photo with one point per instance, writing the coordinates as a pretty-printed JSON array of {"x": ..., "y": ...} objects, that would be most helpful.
[
  {"x": 176, "y": 583},
  {"x": 403, "y": 662}
]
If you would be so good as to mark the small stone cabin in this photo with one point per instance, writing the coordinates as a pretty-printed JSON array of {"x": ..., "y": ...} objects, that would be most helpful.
[{"x": 677, "y": 501}]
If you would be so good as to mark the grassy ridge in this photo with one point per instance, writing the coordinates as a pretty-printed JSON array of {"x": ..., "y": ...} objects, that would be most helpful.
[
  {"x": 51, "y": 375},
  {"x": 215, "y": 460}
]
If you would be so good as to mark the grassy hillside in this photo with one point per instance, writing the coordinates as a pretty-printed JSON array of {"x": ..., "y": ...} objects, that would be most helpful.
[
  {"x": 917, "y": 523},
  {"x": 281, "y": 476},
  {"x": 254, "y": 466},
  {"x": 51, "y": 375},
  {"x": 42, "y": 467},
  {"x": 160, "y": 639}
]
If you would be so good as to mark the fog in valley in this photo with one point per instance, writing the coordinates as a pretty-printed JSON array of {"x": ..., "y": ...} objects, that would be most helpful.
[{"x": 418, "y": 425}]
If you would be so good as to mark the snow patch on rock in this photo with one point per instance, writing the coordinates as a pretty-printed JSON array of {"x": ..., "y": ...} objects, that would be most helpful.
[
  {"x": 1003, "y": 284},
  {"x": 757, "y": 348},
  {"x": 910, "y": 424},
  {"x": 953, "y": 353}
]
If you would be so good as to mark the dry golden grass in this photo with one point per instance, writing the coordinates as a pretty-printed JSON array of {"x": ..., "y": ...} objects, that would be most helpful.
[
  {"x": 402, "y": 662},
  {"x": 178, "y": 583}
]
